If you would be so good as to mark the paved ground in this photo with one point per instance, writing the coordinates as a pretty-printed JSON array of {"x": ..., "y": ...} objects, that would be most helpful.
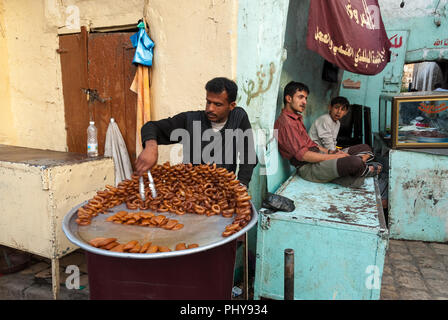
[
  {"x": 413, "y": 270},
  {"x": 34, "y": 282}
]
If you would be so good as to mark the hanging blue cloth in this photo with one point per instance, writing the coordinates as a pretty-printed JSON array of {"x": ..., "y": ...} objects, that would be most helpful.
[{"x": 144, "y": 44}]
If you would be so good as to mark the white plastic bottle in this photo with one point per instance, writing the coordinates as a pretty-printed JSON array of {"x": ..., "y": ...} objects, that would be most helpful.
[{"x": 92, "y": 140}]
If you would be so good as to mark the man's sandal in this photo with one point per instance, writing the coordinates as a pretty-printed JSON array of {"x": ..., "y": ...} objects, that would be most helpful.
[
  {"x": 372, "y": 169},
  {"x": 371, "y": 155}
]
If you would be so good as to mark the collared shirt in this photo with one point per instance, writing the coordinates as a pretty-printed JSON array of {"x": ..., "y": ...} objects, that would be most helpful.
[
  {"x": 293, "y": 140},
  {"x": 324, "y": 131}
]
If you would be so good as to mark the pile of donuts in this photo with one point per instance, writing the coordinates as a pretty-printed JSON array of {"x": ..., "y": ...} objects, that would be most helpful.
[
  {"x": 134, "y": 246},
  {"x": 147, "y": 219},
  {"x": 183, "y": 188}
]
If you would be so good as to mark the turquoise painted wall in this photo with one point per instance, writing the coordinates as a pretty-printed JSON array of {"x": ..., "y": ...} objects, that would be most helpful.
[
  {"x": 419, "y": 16},
  {"x": 261, "y": 29}
]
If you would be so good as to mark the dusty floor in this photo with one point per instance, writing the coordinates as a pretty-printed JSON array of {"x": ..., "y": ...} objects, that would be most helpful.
[{"x": 413, "y": 270}]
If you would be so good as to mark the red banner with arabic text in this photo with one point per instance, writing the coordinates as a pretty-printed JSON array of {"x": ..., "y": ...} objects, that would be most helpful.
[{"x": 349, "y": 34}]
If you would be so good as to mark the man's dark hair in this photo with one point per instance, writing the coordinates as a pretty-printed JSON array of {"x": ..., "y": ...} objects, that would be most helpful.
[
  {"x": 340, "y": 100},
  {"x": 292, "y": 87},
  {"x": 218, "y": 85}
]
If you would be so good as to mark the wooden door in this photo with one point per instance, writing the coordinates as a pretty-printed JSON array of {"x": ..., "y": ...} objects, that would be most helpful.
[
  {"x": 104, "y": 66},
  {"x": 73, "y": 54}
]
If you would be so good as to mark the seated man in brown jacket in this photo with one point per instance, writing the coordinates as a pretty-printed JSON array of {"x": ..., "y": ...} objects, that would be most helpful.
[{"x": 313, "y": 162}]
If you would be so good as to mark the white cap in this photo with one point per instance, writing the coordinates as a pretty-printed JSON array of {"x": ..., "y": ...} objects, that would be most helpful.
[
  {"x": 92, "y": 122},
  {"x": 112, "y": 120}
]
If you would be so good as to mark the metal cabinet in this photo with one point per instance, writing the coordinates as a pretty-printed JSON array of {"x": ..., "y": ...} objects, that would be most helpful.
[
  {"x": 418, "y": 188},
  {"x": 339, "y": 238}
]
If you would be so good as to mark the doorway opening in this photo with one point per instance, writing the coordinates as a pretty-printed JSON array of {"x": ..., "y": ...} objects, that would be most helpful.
[{"x": 425, "y": 76}]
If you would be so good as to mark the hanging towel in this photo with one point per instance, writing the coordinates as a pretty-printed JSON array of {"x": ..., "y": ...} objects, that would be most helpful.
[
  {"x": 140, "y": 85},
  {"x": 115, "y": 147}
]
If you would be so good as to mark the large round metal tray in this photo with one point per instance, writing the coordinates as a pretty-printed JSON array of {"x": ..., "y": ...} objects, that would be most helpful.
[{"x": 200, "y": 229}]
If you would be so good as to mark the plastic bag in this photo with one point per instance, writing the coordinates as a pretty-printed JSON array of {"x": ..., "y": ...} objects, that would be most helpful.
[
  {"x": 276, "y": 202},
  {"x": 144, "y": 48},
  {"x": 115, "y": 147}
]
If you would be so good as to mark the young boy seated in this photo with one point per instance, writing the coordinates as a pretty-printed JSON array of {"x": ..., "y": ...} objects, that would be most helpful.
[{"x": 324, "y": 131}]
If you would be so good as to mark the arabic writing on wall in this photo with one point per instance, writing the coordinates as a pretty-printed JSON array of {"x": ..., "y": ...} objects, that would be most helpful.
[
  {"x": 439, "y": 42},
  {"x": 253, "y": 92},
  {"x": 398, "y": 41}
]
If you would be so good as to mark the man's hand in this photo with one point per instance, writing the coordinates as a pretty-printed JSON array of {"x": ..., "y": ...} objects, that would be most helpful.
[
  {"x": 340, "y": 155},
  {"x": 338, "y": 151},
  {"x": 148, "y": 158}
]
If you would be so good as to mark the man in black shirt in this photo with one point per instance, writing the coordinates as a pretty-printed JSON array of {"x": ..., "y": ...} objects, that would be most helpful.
[{"x": 221, "y": 134}]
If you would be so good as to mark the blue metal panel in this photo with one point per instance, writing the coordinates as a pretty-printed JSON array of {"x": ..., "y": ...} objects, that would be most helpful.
[
  {"x": 338, "y": 236},
  {"x": 278, "y": 170},
  {"x": 332, "y": 203},
  {"x": 418, "y": 201}
]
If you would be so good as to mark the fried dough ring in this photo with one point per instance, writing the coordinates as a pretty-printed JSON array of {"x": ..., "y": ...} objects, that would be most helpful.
[{"x": 216, "y": 208}]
